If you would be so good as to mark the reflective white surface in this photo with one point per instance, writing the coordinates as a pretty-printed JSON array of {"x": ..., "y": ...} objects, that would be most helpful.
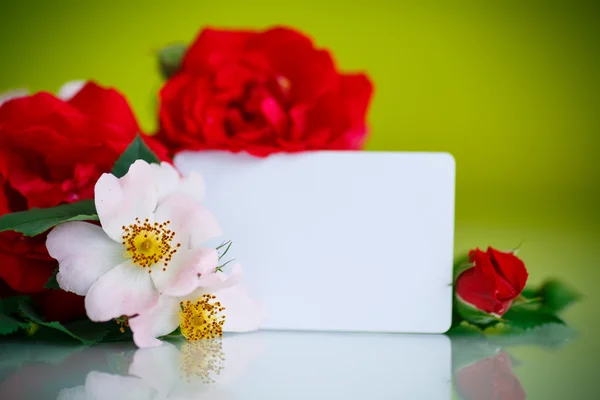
[
  {"x": 261, "y": 365},
  {"x": 293, "y": 365}
]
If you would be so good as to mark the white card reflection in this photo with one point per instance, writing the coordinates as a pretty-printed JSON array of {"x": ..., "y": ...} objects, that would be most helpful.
[
  {"x": 315, "y": 365},
  {"x": 260, "y": 365}
]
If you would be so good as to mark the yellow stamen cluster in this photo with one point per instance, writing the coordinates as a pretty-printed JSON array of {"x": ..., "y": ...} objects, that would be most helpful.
[
  {"x": 202, "y": 360},
  {"x": 149, "y": 243},
  {"x": 202, "y": 319},
  {"x": 123, "y": 321}
]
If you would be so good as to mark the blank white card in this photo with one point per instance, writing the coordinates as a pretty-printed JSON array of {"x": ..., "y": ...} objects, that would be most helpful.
[{"x": 339, "y": 241}]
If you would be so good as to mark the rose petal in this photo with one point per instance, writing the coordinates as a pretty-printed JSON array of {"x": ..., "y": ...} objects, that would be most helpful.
[
  {"x": 12, "y": 94},
  {"x": 310, "y": 72},
  {"x": 84, "y": 253},
  {"x": 180, "y": 276},
  {"x": 510, "y": 267},
  {"x": 156, "y": 321},
  {"x": 120, "y": 201},
  {"x": 159, "y": 367},
  {"x": 25, "y": 274},
  {"x": 124, "y": 290},
  {"x": 188, "y": 218},
  {"x": 106, "y": 105},
  {"x": 101, "y": 386},
  {"x": 213, "y": 46}
]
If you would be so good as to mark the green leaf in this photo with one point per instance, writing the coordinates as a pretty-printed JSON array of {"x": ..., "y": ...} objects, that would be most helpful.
[
  {"x": 556, "y": 295},
  {"x": 228, "y": 244},
  {"x": 464, "y": 328},
  {"x": 52, "y": 282},
  {"x": 9, "y": 324},
  {"x": 471, "y": 314},
  {"x": 524, "y": 318},
  {"x": 529, "y": 292},
  {"x": 169, "y": 59},
  {"x": 527, "y": 302},
  {"x": 86, "y": 331},
  {"x": 137, "y": 150},
  {"x": 39, "y": 220}
]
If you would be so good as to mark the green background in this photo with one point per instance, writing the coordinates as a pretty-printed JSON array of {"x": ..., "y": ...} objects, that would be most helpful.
[{"x": 510, "y": 88}]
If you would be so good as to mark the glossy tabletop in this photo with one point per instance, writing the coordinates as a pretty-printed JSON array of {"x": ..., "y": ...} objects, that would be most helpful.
[{"x": 553, "y": 362}]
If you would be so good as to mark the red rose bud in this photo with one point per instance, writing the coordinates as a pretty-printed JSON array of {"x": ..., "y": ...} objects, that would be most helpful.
[
  {"x": 490, "y": 378},
  {"x": 487, "y": 290},
  {"x": 262, "y": 92}
]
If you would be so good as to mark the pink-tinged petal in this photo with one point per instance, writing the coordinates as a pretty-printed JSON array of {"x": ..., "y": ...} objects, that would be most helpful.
[
  {"x": 193, "y": 186},
  {"x": 180, "y": 276},
  {"x": 103, "y": 386},
  {"x": 160, "y": 367},
  {"x": 154, "y": 322},
  {"x": 84, "y": 253},
  {"x": 120, "y": 201},
  {"x": 124, "y": 290},
  {"x": 167, "y": 179},
  {"x": 221, "y": 280},
  {"x": 214, "y": 282},
  {"x": 243, "y": 312},
  {"x": 188, "y": 218},
  {"x": 70, "y": 89},
  {"x": 169, "y": 182}
]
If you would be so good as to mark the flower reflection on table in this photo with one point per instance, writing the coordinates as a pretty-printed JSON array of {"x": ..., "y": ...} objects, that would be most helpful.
[
  {"x": 179, "y": 370},
  {"x": 201, "y": 369},
  {"x": 483, "y": 367}
]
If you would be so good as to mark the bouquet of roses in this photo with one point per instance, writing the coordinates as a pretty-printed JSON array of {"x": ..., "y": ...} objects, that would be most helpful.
[
  {"x": 101, "y": 238},
  {"x": 100, "y": 235}
]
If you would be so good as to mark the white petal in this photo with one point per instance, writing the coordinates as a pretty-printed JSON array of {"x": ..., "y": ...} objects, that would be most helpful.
[
  {"x": 180, "y": 277},
  {"x": 70, "y": 89},
  {"x": 188, "y": 218},
  {"x": 75, "y": 393},
  {"x": 12, "y": 94},
  {"x": 100, "y": 386},
  {"x": 193, "y": 186},
  {"x": 124, "y": 290},
  {"x": 120, "y": 201},
  {"x": 221, "y": 280},
  {"x": 156, "y": 321},
  {"x": 160, "y": 367},
  {"x": 213, "y": 283},
  {"x": 243, "y": 313},
  {"x": 84, "y": 254},
  {"x": 167, "y": 179}
]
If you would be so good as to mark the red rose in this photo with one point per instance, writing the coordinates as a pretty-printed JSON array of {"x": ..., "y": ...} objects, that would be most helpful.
[
  {"x": 52, "y": 152},
  {"x": 493, "y": 282},
  {"x": 262, "y": 92},
  {"x": 491, "y": 378}
]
